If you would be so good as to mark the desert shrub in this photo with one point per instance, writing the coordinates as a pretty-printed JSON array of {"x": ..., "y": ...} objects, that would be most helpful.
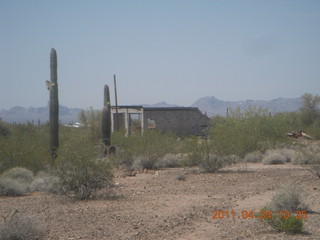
[
  {"x": 19, "y": 174},
  {"x": 10, "y": 187},
  {"x": 142, "y": 162},
  {"x": 253, "y": 157},
  {"x": 309, "y": 154},
  {"x": 181, "y": 177},
  {"x": 44, "y": 182},
  {"x": 81, "y": 168},
  {"x": 26, "y": 146},
  {"x": 208, "y": 159},
  {"x": 315, "y": 170},
  {"x": 171, "y": 160},
  {"x": 288, "y": 198},
  {"x": 290, "y": 224},
  {"x": 143, "y": 151},
  {"x": 272, "y": 157},
  {"x": 4, "y": 130},
  {"x": 93, "y": 120},
  {"x": 21, "y": 181},
  {"x": 126, "y": 147},
  {"x": 309, "y": 110},
  {"x": 247, "y": 131},
  {"x": 15, "y": 182},
  {"x": 18, "y": 228},
  {"x": 212, "y": 162},
  {"x": 291, "y": 154}
]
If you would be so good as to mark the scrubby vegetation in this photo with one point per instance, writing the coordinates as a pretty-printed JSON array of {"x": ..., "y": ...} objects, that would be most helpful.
[
  {"x": 282, "y": 210},
  {"x": 288, "y": 198},
  {"x": 81, "y": 167},
  {"x": 252, "y": 135},
  {"x": 16, "y": 227},
  {"x": 15, "y": 182},
  {"x": 290, "y": 224},
  {"x": 145, "y": 151}
]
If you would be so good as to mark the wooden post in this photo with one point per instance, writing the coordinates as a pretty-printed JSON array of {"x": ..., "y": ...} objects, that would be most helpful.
[{"x": 116, "y": 101}]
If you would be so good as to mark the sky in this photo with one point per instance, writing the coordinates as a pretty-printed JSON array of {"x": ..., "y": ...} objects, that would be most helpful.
[{"x": 160, "y": 50}]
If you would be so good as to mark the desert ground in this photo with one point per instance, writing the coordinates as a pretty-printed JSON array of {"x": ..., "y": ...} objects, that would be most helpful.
[{"x": 156, "y": 205}]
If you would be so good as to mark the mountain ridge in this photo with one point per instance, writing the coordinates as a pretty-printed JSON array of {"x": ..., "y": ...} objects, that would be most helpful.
[
  {"x": 210, "y": 105},
  {"x": 37, "y": 115},
  {"x": 213, "y": 106}
]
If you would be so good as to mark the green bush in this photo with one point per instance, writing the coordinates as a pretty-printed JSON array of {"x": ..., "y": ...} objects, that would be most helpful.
[
  {"x": 205, "y": 156},
  {"x": 247, "y": 131},
  {"x": 4, "y": 130},
  {"x": 81, "y": 168},
  {"x": 287, "y": 225},
  {"x": 143, "y": 151},
  {"x": 26, "y": 146}
]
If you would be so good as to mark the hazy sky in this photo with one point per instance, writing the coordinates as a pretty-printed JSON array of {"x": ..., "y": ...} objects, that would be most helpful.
[{"x": 161, "y": 50}]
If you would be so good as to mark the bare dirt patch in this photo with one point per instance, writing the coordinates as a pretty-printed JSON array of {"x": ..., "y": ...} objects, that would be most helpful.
[{"x": 156, "y": 205}]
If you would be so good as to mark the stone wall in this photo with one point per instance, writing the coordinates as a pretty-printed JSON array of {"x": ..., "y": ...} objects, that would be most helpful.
[{"x": 183, "y": 121}]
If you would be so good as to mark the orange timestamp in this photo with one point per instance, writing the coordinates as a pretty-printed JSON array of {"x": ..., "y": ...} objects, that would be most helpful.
[{"x": 263, "y": 214}]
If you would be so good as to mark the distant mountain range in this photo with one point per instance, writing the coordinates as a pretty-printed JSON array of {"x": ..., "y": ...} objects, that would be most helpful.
[
  {"x": 39, "y": 114},
  {"x": 209, "y": 105},
  {"x": 213, "y": 106},
  {"x": 160, "y": 104}
]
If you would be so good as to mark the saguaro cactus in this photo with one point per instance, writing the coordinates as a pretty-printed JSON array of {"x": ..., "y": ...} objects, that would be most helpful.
[
  {"x": 106, "y": 119},
  {"x": 54, "y": 104}
]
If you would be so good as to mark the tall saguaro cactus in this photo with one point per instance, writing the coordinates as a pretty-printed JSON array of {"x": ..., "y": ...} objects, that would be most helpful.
[
  {"x": 106, "y": 119},
  {"x": 54, "y": 104}
]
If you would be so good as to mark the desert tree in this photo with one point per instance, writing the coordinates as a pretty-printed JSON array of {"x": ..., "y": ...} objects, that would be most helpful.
[{"x": 310, "y": 109}]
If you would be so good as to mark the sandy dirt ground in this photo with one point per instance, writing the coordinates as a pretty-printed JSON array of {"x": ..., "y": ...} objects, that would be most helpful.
[{"x": 156, "y": 205}]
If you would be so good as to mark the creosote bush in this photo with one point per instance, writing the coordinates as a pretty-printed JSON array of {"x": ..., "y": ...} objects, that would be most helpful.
[
  {"x": 205, "y": 156},
  {"x": 245, "y": 131},
  {"x": 290, "y": 224},
  {"x": 143, "y": 151},
  {"x": 26, "y": 146},
  {"x": 81, "y": 168}
]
